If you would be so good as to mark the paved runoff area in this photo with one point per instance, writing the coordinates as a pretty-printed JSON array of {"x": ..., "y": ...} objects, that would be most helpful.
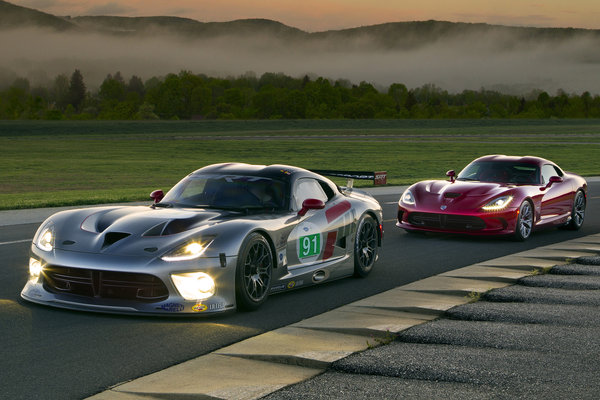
[{"x": 525, "y": 325}]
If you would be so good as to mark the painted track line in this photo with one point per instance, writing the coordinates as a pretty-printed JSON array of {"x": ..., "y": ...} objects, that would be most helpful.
[{"x": 15, "y": 242}]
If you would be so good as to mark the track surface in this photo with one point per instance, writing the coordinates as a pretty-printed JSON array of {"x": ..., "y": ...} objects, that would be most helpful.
[{"x": 57, "y": 354}]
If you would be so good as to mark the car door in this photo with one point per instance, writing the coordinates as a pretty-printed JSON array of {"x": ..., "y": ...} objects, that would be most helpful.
[
  {"x": 321, "y": 235},
  {"x": 557, "y": 199}
]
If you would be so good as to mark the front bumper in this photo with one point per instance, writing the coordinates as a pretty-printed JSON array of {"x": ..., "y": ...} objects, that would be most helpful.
[
  {"x": 125, "y": 285},
  {"x": 474, "y": 223}
]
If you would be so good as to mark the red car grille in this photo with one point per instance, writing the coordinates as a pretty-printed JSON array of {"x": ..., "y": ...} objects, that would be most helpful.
[
  {"x": 446, "y": 221},
  {"x": 104, "y": 284}
]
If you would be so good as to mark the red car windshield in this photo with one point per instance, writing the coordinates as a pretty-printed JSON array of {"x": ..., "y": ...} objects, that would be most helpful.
[{"x": 501, "y": 172}]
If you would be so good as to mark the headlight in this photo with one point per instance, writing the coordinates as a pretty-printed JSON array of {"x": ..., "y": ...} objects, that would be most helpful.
[
  {"x": 35, "y": 268},
  {"x": 497, "y": 204},
  {"x": 188, "y": 251},
  {"x": 45, "y": 241},
  {"x": 407, "y": 197},
  {"x": 194, "y": 285}
]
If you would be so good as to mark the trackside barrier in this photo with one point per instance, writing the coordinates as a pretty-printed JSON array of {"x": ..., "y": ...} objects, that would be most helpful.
[{"x": 378, "y": 177}]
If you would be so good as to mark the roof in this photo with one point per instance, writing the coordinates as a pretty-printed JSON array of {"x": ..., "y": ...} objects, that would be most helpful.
[
  {"x": 515, "y": 159},
  {"x": 268, "y": 171}
]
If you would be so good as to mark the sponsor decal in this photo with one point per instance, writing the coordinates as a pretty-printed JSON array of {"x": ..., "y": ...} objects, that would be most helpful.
[
  {"x": 282, "y": 258},
  {"x": 277, "y": 288},
  {"x": 334, "y": 212},
  {"x": 380, "y": 178},
  {"x": 443, "y": 207},
  {"x": 293, "y": 284},
  {"x": 172, "y": 307},
  {"x": 285, "y": 171},
  {"x": 199, "y": 307}
]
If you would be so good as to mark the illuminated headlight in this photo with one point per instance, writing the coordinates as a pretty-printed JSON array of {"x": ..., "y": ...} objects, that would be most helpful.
[
  {"x": 45, "y": 241},
  {"x": 35, "y": 268},
  {"x": 188, "y": 251},
  {"x": 497, "y": 204},
  {"x": 408, "y": 198},
  {"x": 194, "y": 285}
]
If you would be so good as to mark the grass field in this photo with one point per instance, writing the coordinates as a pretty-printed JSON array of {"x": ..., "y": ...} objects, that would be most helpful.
[{"x": 66, "y": 163}]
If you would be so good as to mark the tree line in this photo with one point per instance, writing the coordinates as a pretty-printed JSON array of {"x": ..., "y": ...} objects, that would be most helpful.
[{"x": 271, "y": 96}]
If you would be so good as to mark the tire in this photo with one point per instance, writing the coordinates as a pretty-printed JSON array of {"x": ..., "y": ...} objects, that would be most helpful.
[
  {"x": 365, "y": 246},
  {"x": 254, "y": 272},
  {"x": 524, "y": 225},
  {"x": 578, "y": 212}
]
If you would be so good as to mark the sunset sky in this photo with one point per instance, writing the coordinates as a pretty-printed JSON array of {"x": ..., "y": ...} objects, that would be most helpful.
[{"x": 318, "y": 15}]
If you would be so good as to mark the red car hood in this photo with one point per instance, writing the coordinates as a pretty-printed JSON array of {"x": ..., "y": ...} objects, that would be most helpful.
[{"x": 456, "y": 196}]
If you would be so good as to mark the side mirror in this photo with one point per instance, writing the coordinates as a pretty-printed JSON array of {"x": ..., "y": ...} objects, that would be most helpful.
[
  {"x": 311, "y": 204},
  {"x": 157, "y": 196},
  {"x": 551, "y": 181},
  {"x": 451, "y": 174}
]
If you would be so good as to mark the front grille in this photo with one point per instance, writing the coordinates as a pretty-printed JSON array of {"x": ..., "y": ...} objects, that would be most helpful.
[
  {"x": 144, "y": 288},
  {"x": 446, "y": 221}
]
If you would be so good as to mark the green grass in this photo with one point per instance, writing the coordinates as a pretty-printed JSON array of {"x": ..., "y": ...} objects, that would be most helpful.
[{"x": 70, "y": 163}]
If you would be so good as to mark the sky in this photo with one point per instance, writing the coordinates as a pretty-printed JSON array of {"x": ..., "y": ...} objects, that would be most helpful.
[{"x": 320, "y": 15}]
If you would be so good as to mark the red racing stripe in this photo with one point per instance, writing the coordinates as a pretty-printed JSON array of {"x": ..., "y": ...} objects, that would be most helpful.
[
  {"x": 329, "y": 245},
  {"x": 337, "y": 210}
]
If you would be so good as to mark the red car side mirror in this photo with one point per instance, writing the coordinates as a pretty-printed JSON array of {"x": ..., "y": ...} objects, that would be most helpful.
[
  {"x": 311, "y": 204},
  {"x": 451, "y": 174},
  {"x": 157, "y": 196},
  {"x": 551, "y": 181}
]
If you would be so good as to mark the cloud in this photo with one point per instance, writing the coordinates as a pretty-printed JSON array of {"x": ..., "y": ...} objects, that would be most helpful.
[
  {"x": 40, "y": 4},
  {"x": 109, "y": 9}
]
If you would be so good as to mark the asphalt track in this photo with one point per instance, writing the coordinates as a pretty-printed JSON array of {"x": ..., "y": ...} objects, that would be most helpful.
[{"x": 58, "y": 354}]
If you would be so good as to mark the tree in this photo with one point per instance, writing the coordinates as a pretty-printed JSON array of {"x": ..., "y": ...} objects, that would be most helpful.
[
  {"x": 77, "y": 90},
  {"x": 136, "y": 85},
  {"x": 60, "y": 91},
  {"x": 398, "y": 93}
]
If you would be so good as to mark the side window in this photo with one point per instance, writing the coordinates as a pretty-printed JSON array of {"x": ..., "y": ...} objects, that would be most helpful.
[
  {"x": 307, "y": 189},
  {"x": 327, "y": 189},
  {"x": 548, "y": 171}
]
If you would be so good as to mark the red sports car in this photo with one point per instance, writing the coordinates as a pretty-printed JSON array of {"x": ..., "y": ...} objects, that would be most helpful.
[{"x": 496, "y": 195}]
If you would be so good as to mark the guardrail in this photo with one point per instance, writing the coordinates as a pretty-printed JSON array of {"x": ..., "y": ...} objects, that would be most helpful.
[{"x": 378, "y": 177}]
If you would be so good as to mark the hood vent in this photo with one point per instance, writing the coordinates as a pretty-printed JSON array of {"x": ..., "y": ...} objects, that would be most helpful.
[
  {"x": 450, "y": 195},
  {"x": 156, "y": 230},
  {"x": 113, "y": 237}
]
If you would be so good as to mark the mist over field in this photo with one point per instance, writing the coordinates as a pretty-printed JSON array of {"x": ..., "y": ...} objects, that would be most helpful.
[{"x": 495, "y": 60}]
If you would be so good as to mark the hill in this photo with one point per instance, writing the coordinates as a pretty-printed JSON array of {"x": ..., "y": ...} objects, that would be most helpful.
[
  {"x": 13, "y": 16},
  {"x": 393, "y": 35}
]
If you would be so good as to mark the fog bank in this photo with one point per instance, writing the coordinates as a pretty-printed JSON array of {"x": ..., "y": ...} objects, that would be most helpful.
[{"x": 493, "y": 61}]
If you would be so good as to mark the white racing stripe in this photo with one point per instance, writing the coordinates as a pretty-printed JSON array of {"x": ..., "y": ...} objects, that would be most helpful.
[{"x": 16, "y": 241}]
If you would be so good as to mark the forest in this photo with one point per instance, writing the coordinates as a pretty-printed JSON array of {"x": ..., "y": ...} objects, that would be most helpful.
[{"x": 189, "y": 96}]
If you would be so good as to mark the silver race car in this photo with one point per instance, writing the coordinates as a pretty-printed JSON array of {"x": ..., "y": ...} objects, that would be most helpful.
[{"x": 225, "y": 237}]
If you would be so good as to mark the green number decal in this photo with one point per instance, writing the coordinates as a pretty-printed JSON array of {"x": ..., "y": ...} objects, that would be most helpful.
[{"x": 310, "y": 245}]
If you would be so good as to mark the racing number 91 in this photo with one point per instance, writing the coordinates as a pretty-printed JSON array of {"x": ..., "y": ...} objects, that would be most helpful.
[{"x": 310, "y": 245}]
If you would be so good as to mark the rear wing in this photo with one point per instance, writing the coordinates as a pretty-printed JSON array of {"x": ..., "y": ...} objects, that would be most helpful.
[{"x": 378, "y": 177}]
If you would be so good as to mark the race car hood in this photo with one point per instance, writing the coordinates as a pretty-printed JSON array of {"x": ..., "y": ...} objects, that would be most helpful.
[
  {"x": 431, "y": 195},
  {"x": 135, "y": 231}
]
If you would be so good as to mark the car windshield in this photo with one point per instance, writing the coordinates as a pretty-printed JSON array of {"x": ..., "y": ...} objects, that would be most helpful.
[
  {"x": 501, "y": 172},
  {"x": 230, "y": 192}
]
